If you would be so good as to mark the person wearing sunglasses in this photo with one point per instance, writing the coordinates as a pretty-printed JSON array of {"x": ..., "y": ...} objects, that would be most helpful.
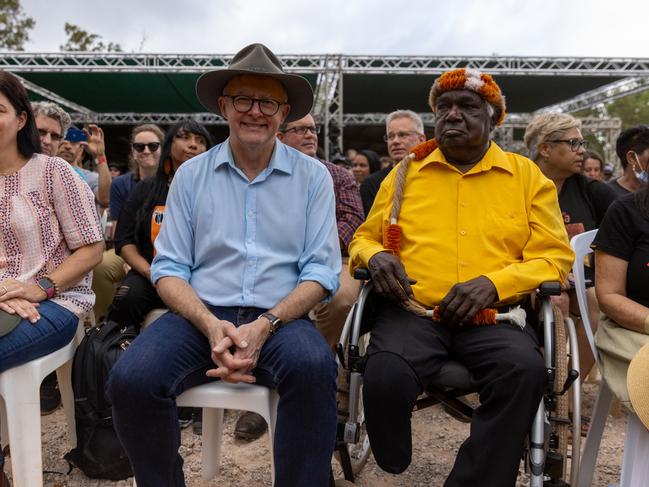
[
  {"x": 144, "y": 157},
  {"x": 556, "y": 145},
  {"x": 141, "y": 218}
]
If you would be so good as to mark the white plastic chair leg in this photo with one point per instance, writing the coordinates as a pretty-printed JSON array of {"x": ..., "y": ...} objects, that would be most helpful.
[
  {"x": 635, "y": 468},
  {"x": 23, "y": 414},
  {"x": 594, "y": 437},
  {"x": 64, "y": 377},
  {"x": 212, "y": 437}
]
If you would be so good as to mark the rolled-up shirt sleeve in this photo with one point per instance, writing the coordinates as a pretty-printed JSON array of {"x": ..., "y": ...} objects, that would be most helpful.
[
  {"x": 321, "y": 261},
  {"x": 175, "y": 243}
]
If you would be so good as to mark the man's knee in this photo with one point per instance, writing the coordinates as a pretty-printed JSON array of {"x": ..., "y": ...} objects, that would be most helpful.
[
  {"x": 389, "y": 375},
  {"x": 311, "y": 364}
]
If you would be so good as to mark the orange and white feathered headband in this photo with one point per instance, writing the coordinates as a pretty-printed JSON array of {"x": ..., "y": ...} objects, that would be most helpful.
[{"x": 470, "y": 79}]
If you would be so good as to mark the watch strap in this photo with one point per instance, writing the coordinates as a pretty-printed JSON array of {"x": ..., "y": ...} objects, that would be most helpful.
[{"x": 275, "y": 322}]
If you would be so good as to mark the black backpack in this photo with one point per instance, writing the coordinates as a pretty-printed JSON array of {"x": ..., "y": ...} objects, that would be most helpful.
[{"x": 99, "y": 453}]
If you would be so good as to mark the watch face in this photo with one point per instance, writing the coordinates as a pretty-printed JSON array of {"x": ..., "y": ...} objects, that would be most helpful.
[{"x": 45, "y": 283}]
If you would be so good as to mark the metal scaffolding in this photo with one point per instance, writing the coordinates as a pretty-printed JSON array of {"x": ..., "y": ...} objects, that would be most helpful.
[{"x": 329, "y": 108}]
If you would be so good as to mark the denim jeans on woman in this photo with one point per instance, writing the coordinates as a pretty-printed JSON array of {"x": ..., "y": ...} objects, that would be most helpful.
[
  {"x": 28, "y": 341},
  {"x": 171, "y": 356}
]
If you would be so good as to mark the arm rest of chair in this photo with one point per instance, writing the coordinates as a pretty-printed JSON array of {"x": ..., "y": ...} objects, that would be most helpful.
[
  {"x": 362, "y": 274},
  {"x": 550, "y": 288}
]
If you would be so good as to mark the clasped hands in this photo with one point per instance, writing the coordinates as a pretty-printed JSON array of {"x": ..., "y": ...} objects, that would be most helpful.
[
  {"x": 22, "y": 299},
  {"x": 459, "y": 305},
  {"x": 235, "y": 350}
]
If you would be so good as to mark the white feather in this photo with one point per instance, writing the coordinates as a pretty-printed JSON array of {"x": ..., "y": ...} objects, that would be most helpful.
[{"x": 515, "y": 315}]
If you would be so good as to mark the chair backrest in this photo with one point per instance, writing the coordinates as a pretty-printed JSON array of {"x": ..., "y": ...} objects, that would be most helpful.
[{"x": 581, "y": 246}]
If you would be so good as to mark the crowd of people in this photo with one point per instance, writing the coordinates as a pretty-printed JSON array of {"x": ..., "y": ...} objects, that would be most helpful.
[{"x": 250, "y": 243}]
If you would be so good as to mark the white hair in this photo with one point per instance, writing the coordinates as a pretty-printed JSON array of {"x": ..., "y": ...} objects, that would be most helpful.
[
  {"x": 419, "y": 124},
  {"x": 52, "y": 110}
]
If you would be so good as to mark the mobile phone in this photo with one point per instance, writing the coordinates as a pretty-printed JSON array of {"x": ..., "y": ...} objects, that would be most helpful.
[{"x": 76, "y": 135}]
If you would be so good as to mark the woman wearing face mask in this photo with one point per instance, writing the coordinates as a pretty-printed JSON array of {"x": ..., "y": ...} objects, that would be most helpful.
[
  {"x": 632, "y": 148},
  {"x": 555, "y": 143},
  {"x": 621, "y": 277},
  {"x": 140, "y": 223}
]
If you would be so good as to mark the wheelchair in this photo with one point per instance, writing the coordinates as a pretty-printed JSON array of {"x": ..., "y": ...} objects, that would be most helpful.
[{"x": 547, "y": 448}]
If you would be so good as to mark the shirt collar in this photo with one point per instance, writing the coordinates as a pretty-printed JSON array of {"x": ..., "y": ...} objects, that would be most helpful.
[
  {"x": 494, "y": 157},
  {"x": 279, "y": 160}
]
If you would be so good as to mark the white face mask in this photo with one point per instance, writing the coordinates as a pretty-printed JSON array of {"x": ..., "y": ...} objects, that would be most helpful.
[{"x": 640, "y": 173}]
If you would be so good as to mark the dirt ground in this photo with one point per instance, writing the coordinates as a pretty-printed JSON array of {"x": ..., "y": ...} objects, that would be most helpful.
[{"x": 437, "y": 437}]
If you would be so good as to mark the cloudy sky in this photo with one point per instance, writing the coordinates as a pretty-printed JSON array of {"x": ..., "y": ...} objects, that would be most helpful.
[{"x": 600, "y": 28}]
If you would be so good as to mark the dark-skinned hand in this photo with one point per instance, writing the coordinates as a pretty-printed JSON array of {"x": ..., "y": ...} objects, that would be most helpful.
[
  {"x": 389, "y": 277},
  {"x": 465, "y": 299}
]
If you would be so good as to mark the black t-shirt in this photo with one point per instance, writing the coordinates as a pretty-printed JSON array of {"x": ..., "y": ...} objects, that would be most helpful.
[
  {"x": 141, "y": 231},
  {"x": 583, "y": 202},
  {"x": 624, "y": 234},
  {"x": 370, "y": 187},
  {"x": 617, "y": 187}
]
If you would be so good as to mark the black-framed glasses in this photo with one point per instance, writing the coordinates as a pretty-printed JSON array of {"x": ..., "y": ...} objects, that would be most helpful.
[
  {"x": 303, "y": 129},
  {"x": 574, "y": 144},
  {"x": 243, "y": 104},
  {"x": 139, "y": 146},
  {"x": 55, "y": 136},
  {"x": 401, "y": 135}
]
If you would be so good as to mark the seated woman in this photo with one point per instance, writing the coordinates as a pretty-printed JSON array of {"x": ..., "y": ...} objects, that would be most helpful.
[
  {"x": 140, "y": 221},
  {"x": 50, "y": 239},
  {"x": 145, "y": 155},
  {"x": 555, "y": 143},
  {"x": 365, "y": 162},
  {"x": 622, "y": 278}
]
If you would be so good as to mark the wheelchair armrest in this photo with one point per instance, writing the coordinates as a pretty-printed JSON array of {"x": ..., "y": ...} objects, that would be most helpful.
[
  {"x": 362, "y": 274},
  {"x": 550, "y": 288}
]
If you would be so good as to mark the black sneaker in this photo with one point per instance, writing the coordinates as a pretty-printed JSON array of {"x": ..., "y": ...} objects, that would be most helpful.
[
  {"x": 185, "y": 417},
  {"x": 50, "y": 395}
]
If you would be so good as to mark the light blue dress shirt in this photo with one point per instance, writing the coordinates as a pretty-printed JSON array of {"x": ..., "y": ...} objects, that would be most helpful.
[{"x": 249, "y": 243}]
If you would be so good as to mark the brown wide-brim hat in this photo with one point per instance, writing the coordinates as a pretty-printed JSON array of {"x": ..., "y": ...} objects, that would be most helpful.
[
  {"x": 256, "y": 59},
  {"x": 637, "y": 382}
]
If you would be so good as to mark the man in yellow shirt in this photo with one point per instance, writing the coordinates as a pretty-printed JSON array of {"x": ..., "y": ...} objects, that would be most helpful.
[{"x": 464, "y": 226}]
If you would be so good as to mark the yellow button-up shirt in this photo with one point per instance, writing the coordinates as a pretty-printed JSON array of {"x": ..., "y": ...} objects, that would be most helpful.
[{"x": 501, "y": 219}]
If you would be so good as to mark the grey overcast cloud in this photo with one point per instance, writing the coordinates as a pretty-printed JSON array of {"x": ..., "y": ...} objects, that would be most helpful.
[{"x": 597, "y": 28}]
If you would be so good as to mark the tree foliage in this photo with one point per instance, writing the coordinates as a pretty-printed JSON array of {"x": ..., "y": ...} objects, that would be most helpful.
[
  {"x": 632, "y": 110},
  {"x": 81, "y": 40},
  {"x": 14, "y": 25}
]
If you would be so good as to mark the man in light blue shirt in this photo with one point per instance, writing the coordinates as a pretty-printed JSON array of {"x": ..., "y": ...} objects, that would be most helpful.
[{"x": 248, "y": 246}]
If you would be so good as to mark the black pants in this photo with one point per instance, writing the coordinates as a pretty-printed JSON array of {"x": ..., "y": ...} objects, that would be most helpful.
[
  {"x": 133, "y": 300},
  {"x": 507, "y": 369}
]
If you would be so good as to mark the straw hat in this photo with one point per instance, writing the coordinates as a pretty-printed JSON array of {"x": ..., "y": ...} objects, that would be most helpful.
[
  {"x": 256, "y": 59},
  {"x": 637, "y": 381}
]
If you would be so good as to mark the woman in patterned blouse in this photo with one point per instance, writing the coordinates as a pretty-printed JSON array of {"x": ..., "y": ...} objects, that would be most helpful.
[{"x": 50, "y": 239}]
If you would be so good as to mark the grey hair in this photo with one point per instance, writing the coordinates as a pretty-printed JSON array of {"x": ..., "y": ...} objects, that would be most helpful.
[
  {"x": 52, "y": 110},
  {"x": 419, "y": 124},
  {"x": 545, "y": 127}
]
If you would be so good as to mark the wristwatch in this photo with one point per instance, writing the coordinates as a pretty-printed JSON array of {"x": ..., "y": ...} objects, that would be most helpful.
[
  {"x": 47, "y": 285},
  {"x": 275, "y": 322}
]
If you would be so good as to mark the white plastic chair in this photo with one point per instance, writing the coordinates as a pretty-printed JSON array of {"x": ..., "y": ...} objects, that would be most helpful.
[
  {"x": 21, "y": 413},
  {"x": 635, "y": 468},
  {"x": 214, "y": 398}
]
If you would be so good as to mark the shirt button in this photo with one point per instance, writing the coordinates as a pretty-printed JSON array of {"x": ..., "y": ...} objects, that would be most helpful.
[
  {"x": 463, "y": 204},
  {"x": 249, "y": 241},
  {"x": 250, "y": 263},
  {"x": 462, "y": 232},
  {"x": 251, "y": 213}
]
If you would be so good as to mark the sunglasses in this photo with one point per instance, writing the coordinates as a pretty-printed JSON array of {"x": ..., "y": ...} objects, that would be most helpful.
[{"x": 139, "y": 146}]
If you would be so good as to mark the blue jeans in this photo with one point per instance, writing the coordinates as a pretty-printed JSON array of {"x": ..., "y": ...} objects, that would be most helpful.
[
  {"x": 27, "y": 341},
  {"x": 172, "y": 356}
]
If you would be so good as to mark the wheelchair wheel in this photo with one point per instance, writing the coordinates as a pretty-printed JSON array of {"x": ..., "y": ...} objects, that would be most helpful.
[
  {"x": 560, "y": 416},
  {"x": 358, "y": 452}
]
